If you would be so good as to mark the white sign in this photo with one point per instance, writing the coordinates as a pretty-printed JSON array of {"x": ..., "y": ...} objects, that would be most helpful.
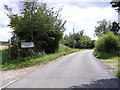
[{"x": 27, "y": 44}]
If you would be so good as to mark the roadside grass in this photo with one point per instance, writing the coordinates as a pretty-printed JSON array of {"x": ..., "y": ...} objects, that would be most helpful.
[
  {"x": 111, "y": 60},
  {"x": 29, "y": 61},
  {"x": 0, "y": 59},
  {"x": 4, "y": 55},
  {"x": 105, "y": 56}
]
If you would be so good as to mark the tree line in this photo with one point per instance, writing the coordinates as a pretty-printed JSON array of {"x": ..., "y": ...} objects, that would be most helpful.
[{"x": 78, "y": 40}]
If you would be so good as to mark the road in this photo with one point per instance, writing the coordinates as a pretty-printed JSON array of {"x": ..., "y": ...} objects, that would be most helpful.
[{"x": 77, "y": 70}]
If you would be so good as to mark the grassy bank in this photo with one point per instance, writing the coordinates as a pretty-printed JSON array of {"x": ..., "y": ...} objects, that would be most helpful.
[
  {"x": 111, "y": 60},
  {"x": 29, "y": 61}
]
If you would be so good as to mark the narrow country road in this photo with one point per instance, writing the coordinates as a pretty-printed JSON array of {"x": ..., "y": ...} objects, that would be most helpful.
[{"x": 77, "y": 70}]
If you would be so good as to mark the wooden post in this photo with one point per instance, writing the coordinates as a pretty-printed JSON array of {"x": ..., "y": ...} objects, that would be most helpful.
[{"x": 9, "y": 50}]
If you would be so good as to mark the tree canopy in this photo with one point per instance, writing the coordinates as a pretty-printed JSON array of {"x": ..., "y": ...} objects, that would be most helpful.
[
  {"x": 39, "y": 24},
  {"x": 116, "y": 4},
  {"x": 103, "y": 27},
  {"x": 78, "y": 40}
]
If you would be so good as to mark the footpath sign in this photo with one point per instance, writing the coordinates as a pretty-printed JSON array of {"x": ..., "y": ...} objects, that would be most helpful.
[{"x": 27, "y": 44}]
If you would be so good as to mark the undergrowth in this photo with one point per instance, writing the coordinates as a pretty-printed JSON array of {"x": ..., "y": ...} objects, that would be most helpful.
[{"x": 31, "y": 61}]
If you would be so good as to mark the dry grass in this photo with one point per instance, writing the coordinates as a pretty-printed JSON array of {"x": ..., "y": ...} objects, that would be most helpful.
[{"x": 3, "y": 47}]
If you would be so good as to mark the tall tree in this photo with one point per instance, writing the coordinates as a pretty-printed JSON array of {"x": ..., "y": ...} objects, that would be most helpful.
[
  {"x": 79, "y": 41},
  {"x": 39, "y": 24},
  {"x": 103, "y": 27},
  {"x": 115, "y": 27},
  {"x": 116, "y": 4}
]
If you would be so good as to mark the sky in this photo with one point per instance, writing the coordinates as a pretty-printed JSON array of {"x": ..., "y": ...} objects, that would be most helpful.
[{"x": 79, "y": 14}]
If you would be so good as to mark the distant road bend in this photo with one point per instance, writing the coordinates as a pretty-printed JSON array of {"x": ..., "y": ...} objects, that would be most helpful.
[{"x": 77, "y": 70}]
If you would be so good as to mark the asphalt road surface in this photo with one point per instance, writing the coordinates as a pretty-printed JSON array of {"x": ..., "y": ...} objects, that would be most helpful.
[{"x": 77, "y": 70}]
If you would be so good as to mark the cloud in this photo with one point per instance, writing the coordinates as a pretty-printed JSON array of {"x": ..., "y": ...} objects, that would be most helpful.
[
  {"x": 84, "y": 14},
  {"x": 4, "y": 20},
  {"x": 86, "y": 18},
  {"x": 89, "y": 4},
  {"x": 3, "y": 17},
  {"x": 67, "y": 1},
  {"x": 5, "y": 33}
]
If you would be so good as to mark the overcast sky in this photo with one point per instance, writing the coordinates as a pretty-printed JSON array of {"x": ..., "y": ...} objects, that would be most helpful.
[{"x": 79, "y": 14}]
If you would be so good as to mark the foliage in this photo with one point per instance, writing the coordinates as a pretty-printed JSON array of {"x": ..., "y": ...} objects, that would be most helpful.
[
  {"x": 115, "y": 4},
  {"x": 30, "y": 61},
  {"x": 38, "y": 24},
  {"x": 115, "y": 28},
  {"x": 103, "y": 27},
  {"x": 4, "y": 55},
  {"x": 77, "y": 40},
  {"x": 118, "y": 73},
  {"x": 108, "y": 43},
  {"x": 103, "y": 55}
]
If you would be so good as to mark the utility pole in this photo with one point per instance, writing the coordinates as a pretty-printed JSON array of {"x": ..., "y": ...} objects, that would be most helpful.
[
  {"x": 31, "y": 19},
  {"x": 1, "y": 54},
  {"x": 73, "y": 30},
  {"x": 73, "y": 37},
  {"x": 9, "y": 41}
]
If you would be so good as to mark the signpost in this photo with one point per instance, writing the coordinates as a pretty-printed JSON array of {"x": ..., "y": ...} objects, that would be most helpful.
[{"x": 27, "y": 44}]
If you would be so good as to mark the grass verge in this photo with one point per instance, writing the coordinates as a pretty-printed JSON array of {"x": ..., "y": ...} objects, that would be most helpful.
[
  {"x": 29, "y": 61},
  {"x": 111, "y": 60}
]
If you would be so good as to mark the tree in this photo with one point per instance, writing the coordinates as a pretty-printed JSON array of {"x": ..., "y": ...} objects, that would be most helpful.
[
  {"x": 103, "y": 27},
  {"x": 78, "y": 40},
  {"x": 115, "y": 27},
  {"x": 107, "y": 43},
  {"x": 116, "y": 4},
  {"x": 86, "y": 42},
  {"x": 38, "y": 24}
]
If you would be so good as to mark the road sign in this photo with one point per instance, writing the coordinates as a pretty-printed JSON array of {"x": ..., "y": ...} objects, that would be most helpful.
[{"x": 27, "y": 44}]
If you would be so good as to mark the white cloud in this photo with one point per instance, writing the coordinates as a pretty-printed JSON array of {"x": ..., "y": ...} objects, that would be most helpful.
[
  {"x": 5, "y": 33},
  {"x": 4, "y": 20},
  {"x": 3, "y": 16},
  {"x": 86, "y": 18},
  {"x": 66, "y": 1},
  {"x": 61, "y": 0}
]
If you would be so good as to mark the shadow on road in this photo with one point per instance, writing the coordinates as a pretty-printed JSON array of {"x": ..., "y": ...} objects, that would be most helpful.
[{"x": 103, "y": 84}]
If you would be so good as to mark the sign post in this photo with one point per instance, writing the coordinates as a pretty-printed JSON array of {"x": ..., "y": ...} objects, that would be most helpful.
[{"x": 28, "y": 45}]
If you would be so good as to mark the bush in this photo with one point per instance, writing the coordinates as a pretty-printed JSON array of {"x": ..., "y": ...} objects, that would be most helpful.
[
  {"x": 78, "y": 40},
  {"x": 102, "y": 55},
  {"x": 118, "y": 73},
  {"x": 30, "y": 61},
  {"x": 108, "y": 43}
]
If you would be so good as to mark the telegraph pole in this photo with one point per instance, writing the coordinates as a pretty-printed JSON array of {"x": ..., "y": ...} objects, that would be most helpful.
[
  {"x": 9, "y": 43},
  {"x": 73, "y": 37}
]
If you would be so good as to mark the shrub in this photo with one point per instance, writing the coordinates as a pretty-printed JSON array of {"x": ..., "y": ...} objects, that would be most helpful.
[{"x": 107, "y": 43}]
